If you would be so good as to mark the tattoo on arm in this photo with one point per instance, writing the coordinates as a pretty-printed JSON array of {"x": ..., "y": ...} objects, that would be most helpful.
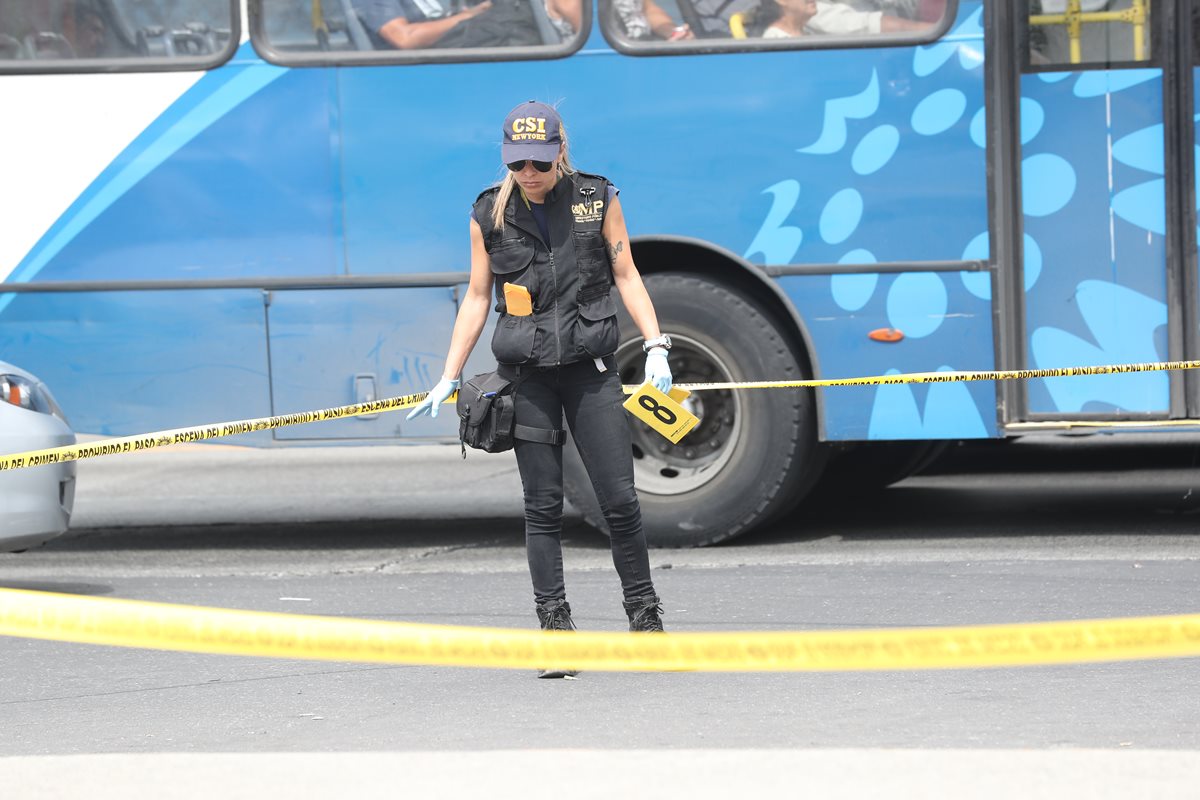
[{"x": 614, "y": 250}]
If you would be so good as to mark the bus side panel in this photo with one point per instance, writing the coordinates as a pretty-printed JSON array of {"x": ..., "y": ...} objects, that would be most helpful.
[
  {"x": 124, "y": 363},
  {"x": 884, "y": 160},
  {"x": 859, "y": 149},
  {"x": 341, "y": 346},
  {"x": 228, "y": 183},
  {"x": 416, "y": 148},
  {"x": 1095, "y": 250},
  {"x": 945, "y": 327},
  {"x": 892, "y": 167},
  {"x": 232, "y": 181}
]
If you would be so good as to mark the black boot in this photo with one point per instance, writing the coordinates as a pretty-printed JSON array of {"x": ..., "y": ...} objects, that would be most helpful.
[
  {"x": 645, "y": 614},
  {"x": 555, "y": 615}
]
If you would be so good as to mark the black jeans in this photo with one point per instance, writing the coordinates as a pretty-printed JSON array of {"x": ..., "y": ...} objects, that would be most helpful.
[{"x": 592, "y": 401}]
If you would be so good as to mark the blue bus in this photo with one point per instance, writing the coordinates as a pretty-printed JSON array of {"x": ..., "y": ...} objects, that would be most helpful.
[{"x": 213, "y": 211}]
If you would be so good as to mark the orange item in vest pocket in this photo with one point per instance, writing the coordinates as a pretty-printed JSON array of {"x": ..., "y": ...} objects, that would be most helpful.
[{"x": 517, "y": 298}]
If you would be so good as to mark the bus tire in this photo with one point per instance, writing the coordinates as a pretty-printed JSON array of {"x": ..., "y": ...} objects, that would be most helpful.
[{"x": 754, "y": 454}]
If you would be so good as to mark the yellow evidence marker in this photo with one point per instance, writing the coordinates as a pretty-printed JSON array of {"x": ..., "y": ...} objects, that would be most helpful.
[{"x": 662, "y": 412}]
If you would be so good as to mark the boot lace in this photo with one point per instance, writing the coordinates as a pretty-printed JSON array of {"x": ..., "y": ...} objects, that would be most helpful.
[
  {"x": 648, "y": 618},
  {"x": 557, "y": 618}
]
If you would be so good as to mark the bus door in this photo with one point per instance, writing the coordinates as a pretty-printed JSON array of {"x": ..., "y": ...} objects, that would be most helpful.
[{"x": 1104, "y": 206}]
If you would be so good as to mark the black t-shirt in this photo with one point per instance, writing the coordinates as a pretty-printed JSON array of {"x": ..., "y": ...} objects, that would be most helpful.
[{"x": 539, "y": 216}]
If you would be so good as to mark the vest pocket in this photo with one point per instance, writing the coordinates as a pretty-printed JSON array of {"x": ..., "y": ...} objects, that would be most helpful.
[
  {"x": 597, "y": 325},
  {"x": 510, "y": 255},
  {"x": 591, "y": 253},
  {"x": 513, "y": 339},
  {"x": 509, "y": 261}
]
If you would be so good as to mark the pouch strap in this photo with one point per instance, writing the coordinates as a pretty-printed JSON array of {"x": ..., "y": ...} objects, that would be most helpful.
[{"x": 544, "y": 435}]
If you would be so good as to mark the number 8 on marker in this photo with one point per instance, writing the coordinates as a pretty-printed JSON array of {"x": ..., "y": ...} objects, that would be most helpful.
[{"x": 664, "y": 415}]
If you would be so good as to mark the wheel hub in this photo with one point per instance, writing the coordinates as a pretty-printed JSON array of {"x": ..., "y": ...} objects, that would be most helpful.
[{"x": 661, "y": 467}]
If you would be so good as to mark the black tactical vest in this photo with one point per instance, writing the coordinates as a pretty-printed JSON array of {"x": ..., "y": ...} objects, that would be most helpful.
[{"x": 569, "y": 278}]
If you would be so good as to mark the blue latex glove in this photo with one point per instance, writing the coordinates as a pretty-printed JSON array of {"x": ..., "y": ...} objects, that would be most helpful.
[
  {"x": 657, "y": 371},
  {"x": 437, "y": 396}
]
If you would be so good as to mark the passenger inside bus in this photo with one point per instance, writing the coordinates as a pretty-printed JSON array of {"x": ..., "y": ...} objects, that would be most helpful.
[
  {"x": 645, "y": 19},
  {"x": 87, "y": 31},
  {"x": 421, "y": 24},
  {"x": 787, "y": 18},
  {"x": 782, "y": 19},
  {"x": 98, "y": 29},
  {"x": 566, "y": 16},
  {"x": 66, "y": 29}
]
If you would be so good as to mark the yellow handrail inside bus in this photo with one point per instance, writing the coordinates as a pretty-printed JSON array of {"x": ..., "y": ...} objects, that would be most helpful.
[
  {"x": 737, "y": 25},
  {"x": 319, "y": 26},
  {"x": 1075, "y": 18}
]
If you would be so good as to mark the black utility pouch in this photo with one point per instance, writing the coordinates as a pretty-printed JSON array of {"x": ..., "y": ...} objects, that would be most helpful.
[{"x": 485, "y": 413}]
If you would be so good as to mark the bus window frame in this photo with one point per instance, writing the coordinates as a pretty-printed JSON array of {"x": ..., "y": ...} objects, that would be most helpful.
[
  {"x": 1155, "y": 61},
  {"x": 712, "y": 46},
  {"x": 101, "y": 66},
  {"x": 377, "y": 58}
]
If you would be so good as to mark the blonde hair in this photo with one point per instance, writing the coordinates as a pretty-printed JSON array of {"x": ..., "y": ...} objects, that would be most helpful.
[{"x": 509, "y": 182}]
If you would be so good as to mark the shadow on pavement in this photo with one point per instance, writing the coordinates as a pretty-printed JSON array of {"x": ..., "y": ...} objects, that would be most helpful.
[
  {"x": 57, "y": 587},
  {"x": 1118, "y": 485},
  {"x": 1082, "y": 452},
  {"x": 349, "y": 535}
]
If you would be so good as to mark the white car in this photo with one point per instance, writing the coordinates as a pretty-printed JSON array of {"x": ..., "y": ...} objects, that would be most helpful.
[{"x": 36, "y": 501}]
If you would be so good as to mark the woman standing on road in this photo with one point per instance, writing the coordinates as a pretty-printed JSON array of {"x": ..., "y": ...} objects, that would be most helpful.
[{"x": 553, "y": 243}]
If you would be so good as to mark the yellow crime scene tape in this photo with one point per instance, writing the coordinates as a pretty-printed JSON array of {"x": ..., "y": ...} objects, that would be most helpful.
[
  {"x": 163, "y": 626},
  {"x": 149, "y": 441},
  {"x": 952, "y": 376},
  {"x": 127, "y": 623}
]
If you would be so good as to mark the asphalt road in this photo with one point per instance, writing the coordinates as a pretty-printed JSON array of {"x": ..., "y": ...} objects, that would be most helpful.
[{"x": 1026, "y": 531}]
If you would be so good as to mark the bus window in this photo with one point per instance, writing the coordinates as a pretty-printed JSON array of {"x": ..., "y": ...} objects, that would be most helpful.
[
  {"x": 1098, "y": 33},
  {"x": 800, "y": 22},
  {"x": 106, "y": 35},
  {"x": 308, "y": 31}
]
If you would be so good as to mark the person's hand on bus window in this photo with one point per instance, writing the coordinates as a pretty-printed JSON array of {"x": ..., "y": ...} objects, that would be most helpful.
[
  {"x": 931, "y": 10},
  {"x": 474, "y": 11},
  {"x": 658, "y": 372},
  {"x": 566, "y": 16},
  {"x": 437, "y": 395},
  {"x": 890, "y": 24},
  {"x": 662, "y": 24}
]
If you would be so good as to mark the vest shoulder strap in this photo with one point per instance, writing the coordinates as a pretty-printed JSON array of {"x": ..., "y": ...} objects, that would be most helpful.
[
  {"x": 483, "y": 206},
  {"x": 489, "y": 193},
  {"x": 591, "y": 176}
]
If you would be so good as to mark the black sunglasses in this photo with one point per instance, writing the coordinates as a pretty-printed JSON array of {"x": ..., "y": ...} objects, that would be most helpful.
[{"x": 540, "y": 166}]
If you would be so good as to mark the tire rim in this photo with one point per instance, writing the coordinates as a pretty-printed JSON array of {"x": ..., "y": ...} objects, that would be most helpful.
[{"x": 660, "y": 467}]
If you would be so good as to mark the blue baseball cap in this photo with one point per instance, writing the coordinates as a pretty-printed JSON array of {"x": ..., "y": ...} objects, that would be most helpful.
[{"x": 532, "y": 130}]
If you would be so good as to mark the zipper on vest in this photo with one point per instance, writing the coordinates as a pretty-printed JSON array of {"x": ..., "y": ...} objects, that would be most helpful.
[{"x": 557, "y": 336}]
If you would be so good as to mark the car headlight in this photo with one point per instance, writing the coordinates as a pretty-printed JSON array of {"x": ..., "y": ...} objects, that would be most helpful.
[{"x": 26, "y": 394}]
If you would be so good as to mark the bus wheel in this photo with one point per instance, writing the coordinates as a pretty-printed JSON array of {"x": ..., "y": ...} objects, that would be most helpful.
[{"x": 754, "y": 453}]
